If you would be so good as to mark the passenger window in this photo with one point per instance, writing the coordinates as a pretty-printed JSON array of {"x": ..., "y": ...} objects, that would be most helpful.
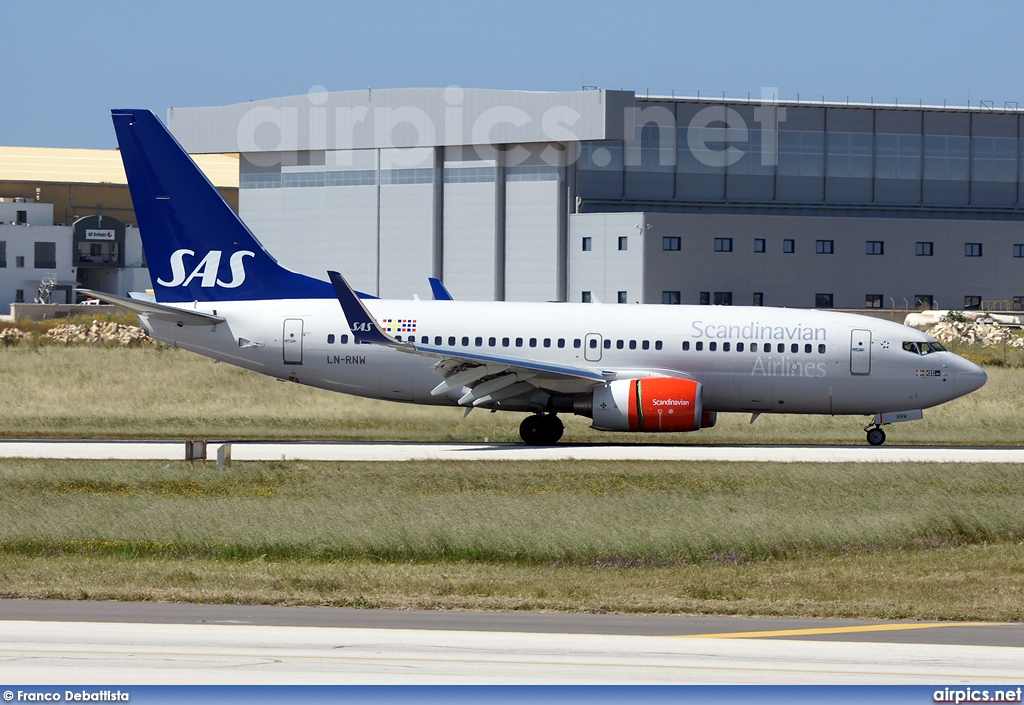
[
  {"x": 344, "y": 340},
  {"x": 686, "y": 345},
  {"x": 646, "y": 345},
  {"x": 451, "y": 340},
  {"x": 781, "y": 348},
  {"x": 725, "y": 347},
  {"x": 753, "y": 347},
  {"x": 593, "y": 342},
  {"x": 547, "y": 342},
  {"x": 492, "y": 342},
  {"x": 632, "y": 345},
  {"x": 712, "y": 346},
  {"x": 619, "y": 344},
  {"x": 739, "y": 347},
  {"x": 425, "y": 339},
  {"x": 479, "y": 341},
  {"x": 533, "y": 342},
  {"x": 607, "y": 344},
  {"x": 330, "y": 339},
  {"x": 576, "y": 343},
  {"x": 465, "y": 341},
  {"x": 808, "y": 348},
  {"x": 657, "y": 345},
  {"x": 504, "y": 342},
  {"x": 821, "y": 348},
  {"x": 700, "y": 345},
  {"x": 519, "y": 342},
  {"x": 561, "y": 342},
  {"x": 794, "y": 348}
]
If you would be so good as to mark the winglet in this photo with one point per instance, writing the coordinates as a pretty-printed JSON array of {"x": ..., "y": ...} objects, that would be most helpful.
[
  {"x": 440, "y": 292},
  {"x": 365, "y": 328}
]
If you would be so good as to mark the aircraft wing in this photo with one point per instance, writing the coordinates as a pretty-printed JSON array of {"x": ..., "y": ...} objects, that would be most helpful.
[
  {"x": 151, "y": 308},
  {"x": 491, "y": 377}
]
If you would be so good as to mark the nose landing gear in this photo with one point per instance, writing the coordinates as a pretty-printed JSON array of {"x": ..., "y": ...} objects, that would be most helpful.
[
  {"x": 541, "y": 430},
  {"x": 876, "y": 436}
]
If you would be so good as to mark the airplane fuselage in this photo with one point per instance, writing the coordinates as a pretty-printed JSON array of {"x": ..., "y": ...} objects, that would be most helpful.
[{"x": 749, "y": 359}]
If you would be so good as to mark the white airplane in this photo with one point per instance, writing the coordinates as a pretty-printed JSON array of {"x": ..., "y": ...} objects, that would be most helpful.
[{"x": 644, "y": 368}]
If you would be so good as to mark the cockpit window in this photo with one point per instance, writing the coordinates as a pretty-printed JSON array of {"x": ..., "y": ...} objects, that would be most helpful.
[{"x": 923, "y": 348}]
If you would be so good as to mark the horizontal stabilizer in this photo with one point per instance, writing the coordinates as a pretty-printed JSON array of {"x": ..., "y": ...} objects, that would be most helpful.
[{"x": 151, "y": 308}]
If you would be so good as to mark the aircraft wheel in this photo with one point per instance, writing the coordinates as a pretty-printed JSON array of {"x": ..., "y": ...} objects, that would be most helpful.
[
  {"x": 541, "y": 430},
  {"x": 555, "y": 429},
  {"x": 876, "y": 436}
]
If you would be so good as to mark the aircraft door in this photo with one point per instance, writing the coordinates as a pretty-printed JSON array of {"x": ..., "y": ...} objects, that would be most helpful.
[
  {"x": 860, "y": 352},
  {"x": 592, "y": 347},
  {"x": 292, "y": 341}
]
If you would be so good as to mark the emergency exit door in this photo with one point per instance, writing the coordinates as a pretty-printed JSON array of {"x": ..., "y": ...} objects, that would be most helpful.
[
  {"x": 292, "y": 341},
  {"x": 860, "y": 352}
]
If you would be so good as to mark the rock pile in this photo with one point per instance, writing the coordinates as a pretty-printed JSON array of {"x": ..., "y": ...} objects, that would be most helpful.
[
  {"x": 976, "y": 330},
  {"x": 12, "y": 336},
  {"x": 102, "y": 333}
]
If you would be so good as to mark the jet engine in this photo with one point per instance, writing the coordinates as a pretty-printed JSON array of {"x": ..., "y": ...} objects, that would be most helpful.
[{"x": 650, "y": 404}]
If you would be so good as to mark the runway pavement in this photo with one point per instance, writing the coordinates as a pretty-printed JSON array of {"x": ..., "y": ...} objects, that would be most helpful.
[
  {"x": 340, "y": 451},
  {"x": 126, "y": 643}
]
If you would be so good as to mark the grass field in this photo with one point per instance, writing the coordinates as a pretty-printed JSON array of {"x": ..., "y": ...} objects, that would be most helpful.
[
  {"x": 917, "y": 541},
  {"x": 93, "y": 392}
]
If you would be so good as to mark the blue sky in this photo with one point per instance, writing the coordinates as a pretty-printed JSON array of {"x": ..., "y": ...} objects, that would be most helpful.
[{"x": 66, "y": 64}]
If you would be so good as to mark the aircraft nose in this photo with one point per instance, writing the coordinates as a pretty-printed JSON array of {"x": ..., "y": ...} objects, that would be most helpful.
[{"x": 969, "y": 377}]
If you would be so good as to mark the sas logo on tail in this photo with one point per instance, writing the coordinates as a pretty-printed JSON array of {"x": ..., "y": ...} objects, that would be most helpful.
[{"x": 207, "y": 269}]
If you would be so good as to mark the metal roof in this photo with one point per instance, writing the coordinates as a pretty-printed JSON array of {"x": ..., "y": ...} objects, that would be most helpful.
[{"x": 95, "y": 166}]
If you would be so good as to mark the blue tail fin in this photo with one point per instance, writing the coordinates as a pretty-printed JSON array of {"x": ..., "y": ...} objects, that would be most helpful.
[{"x": 196, "y": 246}]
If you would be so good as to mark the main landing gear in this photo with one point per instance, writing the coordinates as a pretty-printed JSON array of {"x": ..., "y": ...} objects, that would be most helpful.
[{"x": 541, "y": 430}]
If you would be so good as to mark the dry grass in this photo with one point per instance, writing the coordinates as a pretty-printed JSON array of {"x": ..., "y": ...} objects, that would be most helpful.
[
  {"x": 166, "y": 393},
  {"x": 917, "y": 541}
]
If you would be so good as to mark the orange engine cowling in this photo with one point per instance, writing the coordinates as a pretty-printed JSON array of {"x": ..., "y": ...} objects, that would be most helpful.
[{"x": 649, "y": 404}]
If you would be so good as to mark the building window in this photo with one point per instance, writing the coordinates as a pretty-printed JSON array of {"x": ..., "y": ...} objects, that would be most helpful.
[
  {"x": 671, "y": 297},
  {"x": 587, "y": 244},
  {"x": 46, "y": 255},
  {"x": 587, "y": 298},
  {"x": 824, "y": 247},
  {"x": 622, "y": 297},
  {"x": 19, "y": 296},
  {"x": 723, "y": 244},
  {"x": 972, "y": 303},
  {"x": 623, "y": 243},
  {"x": 1018, "y": 250},
  {"x": 823, "y": 301},
  {"x": 925, "y": 249},
  {"x": 1018, "y": 303},
  {"x": 972, "y": 249},
  {"x": 789, "y": 246},
  {"x": 723, "y": 298},
  {"x": 924, "y": 301},
  {"x": 758, "y": 298},
  {"x": 671, "y": 243},
  {"x": 19, "y": 262},
  {"x": 3, "y": 254},
  {"x": 873, "y": 301},
  {"x": 22, "y": 218},
  {"x": 759, "y": 244},
  {"x": 705, "y": 298},
  {"x": 875, "y": 247}
]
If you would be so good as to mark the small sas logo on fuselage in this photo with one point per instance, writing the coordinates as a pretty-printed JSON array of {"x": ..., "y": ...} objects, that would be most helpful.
[{"x": 207, "y": 270}]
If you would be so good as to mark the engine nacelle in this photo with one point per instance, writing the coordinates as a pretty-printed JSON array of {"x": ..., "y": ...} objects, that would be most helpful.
[{"x": 649, "y": 404}]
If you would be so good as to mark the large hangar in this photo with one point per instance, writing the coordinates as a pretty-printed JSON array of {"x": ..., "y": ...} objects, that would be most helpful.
[{"x": 607, "y": 196}]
